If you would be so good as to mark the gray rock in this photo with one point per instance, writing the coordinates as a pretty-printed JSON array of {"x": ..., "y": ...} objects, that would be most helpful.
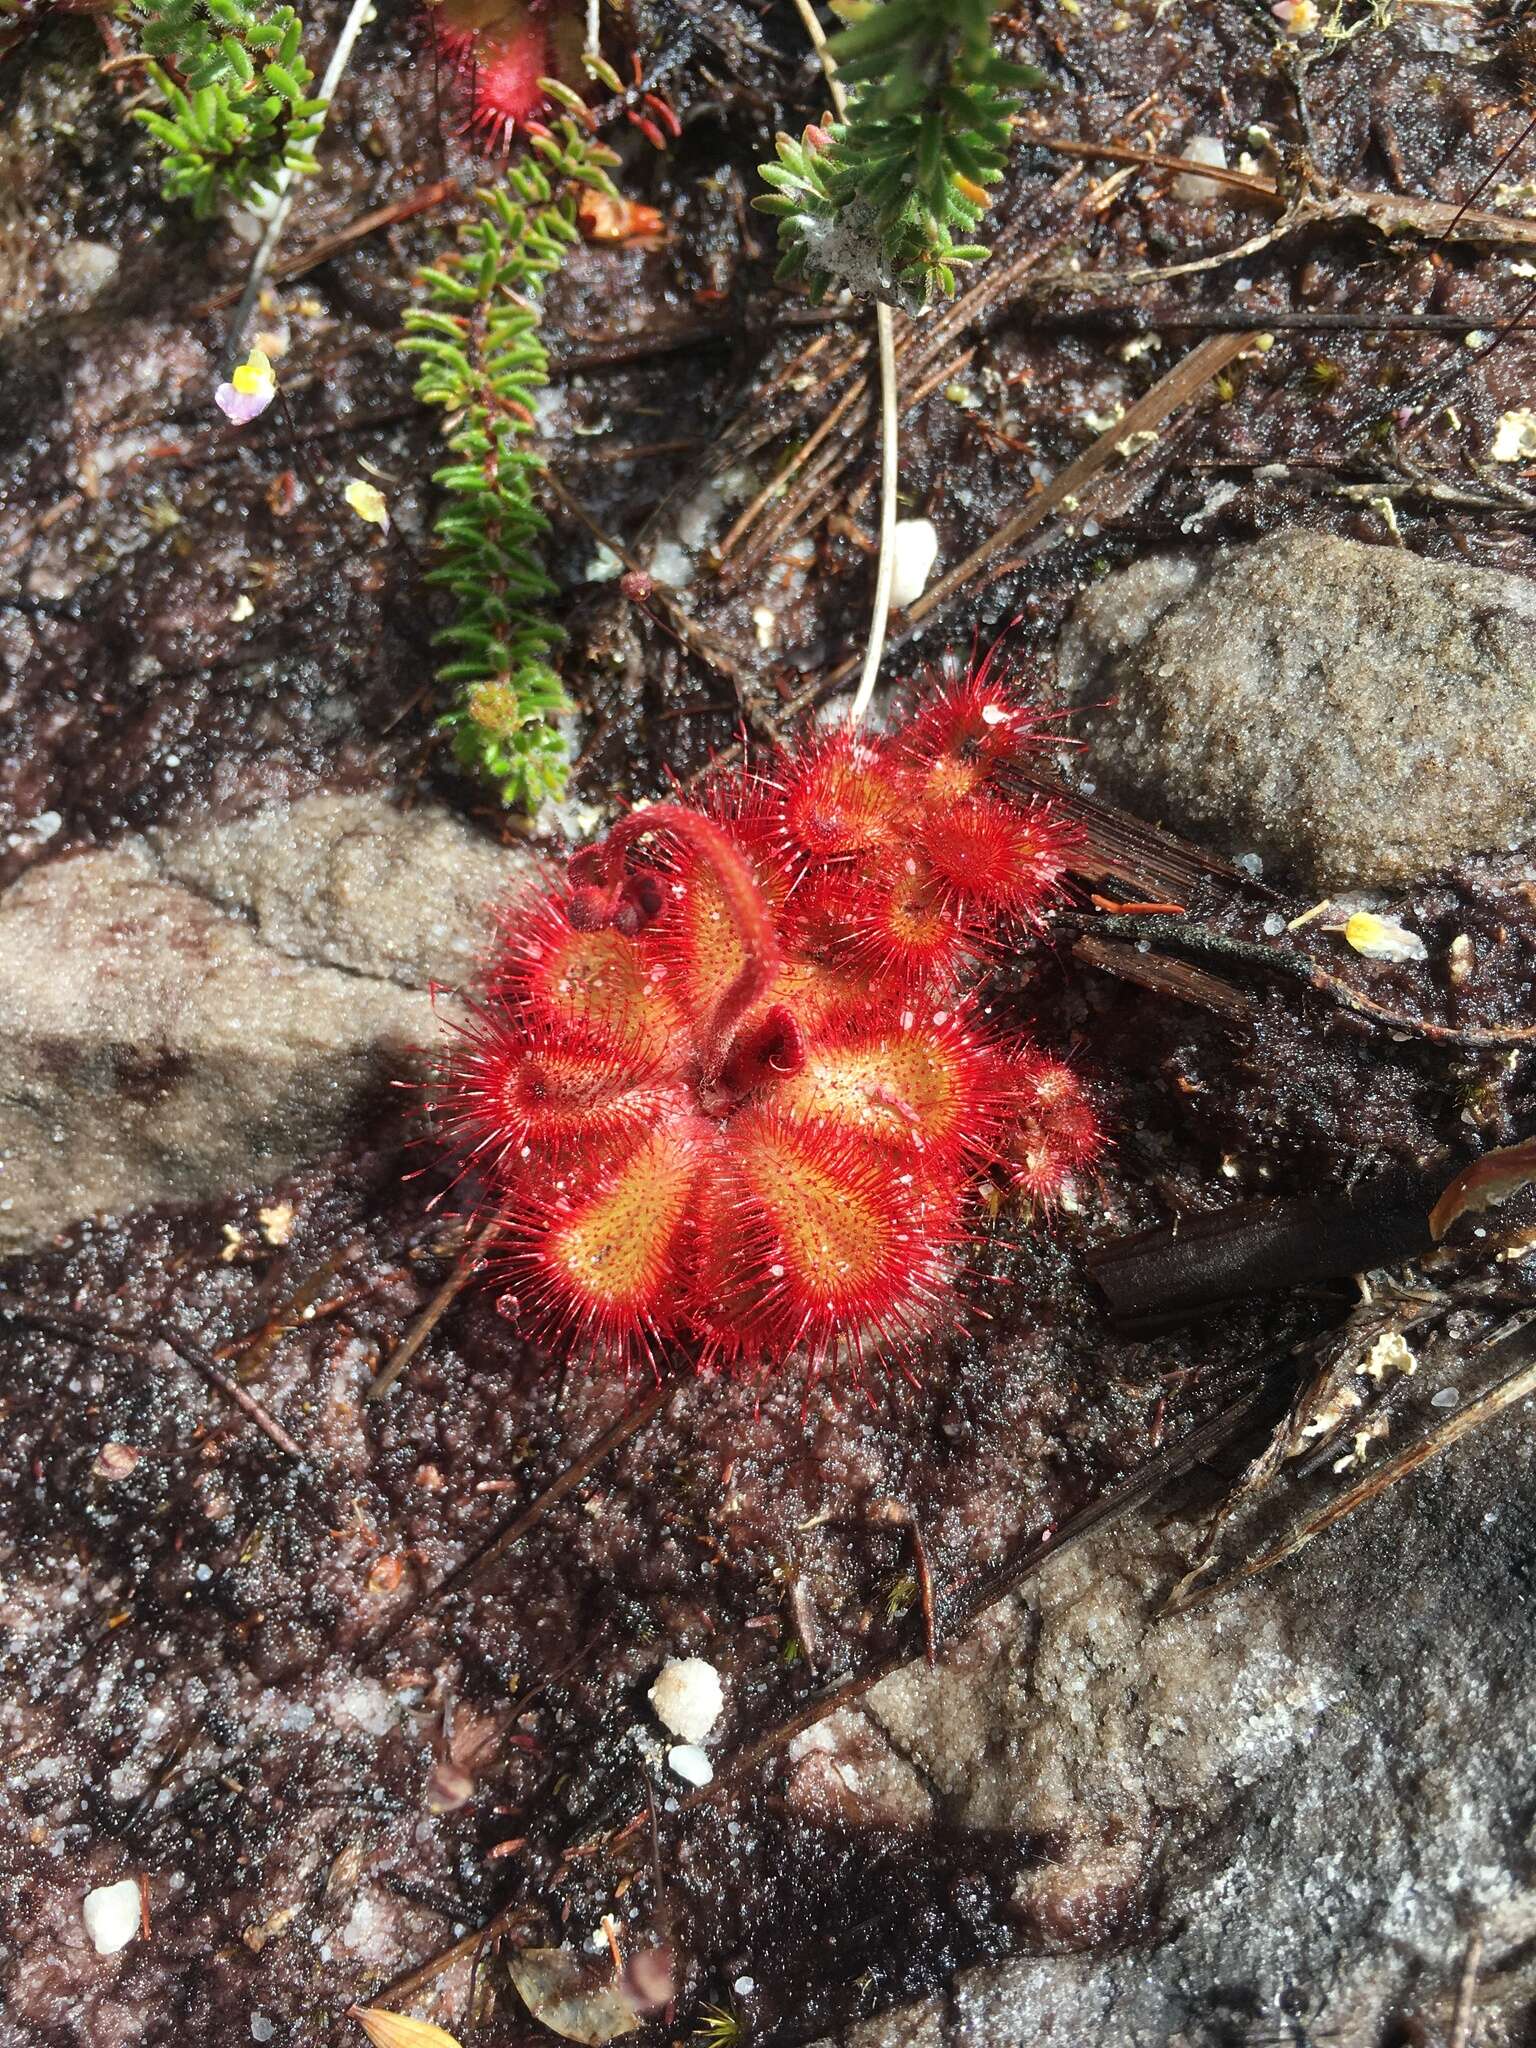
[
  {"x": 1295, "y": 1801},
  {"x": 1353, "y": 715},
  {"x": 353, "y": 882},
  {"x": 206, "y": 1009}
]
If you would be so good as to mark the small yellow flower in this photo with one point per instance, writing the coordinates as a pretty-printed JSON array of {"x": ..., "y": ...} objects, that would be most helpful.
[
  {"x": 1382, "y": 938},
  {"x": 254, "y": 375},
  {"x": 367, "y": 501}
]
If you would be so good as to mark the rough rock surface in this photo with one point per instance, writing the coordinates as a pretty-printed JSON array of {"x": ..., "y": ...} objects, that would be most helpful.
[
  {"x": 1351, "y": 714},
  {"x": 1307, "y": 1793},
  {"x": 353, "y": 882},
  {"x": 191, "y": 1009}
]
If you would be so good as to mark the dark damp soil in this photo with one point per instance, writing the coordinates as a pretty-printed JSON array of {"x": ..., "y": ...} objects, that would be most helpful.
[
  {"x": 234, "y": 1671},
  {"x": 229, "y": 1668}
]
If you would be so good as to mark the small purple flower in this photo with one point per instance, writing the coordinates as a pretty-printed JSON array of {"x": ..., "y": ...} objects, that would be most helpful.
[{"x": 250, "y": 390}]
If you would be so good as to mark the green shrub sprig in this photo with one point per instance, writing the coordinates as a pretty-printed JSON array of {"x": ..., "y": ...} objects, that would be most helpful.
[
  {"x": 239, "y": 110},
  {"x": 476, "y": 336},
  {"x": 877, "y": 201}
]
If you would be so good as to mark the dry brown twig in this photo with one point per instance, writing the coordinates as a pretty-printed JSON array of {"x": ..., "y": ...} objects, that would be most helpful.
[
  {"x": 1515, "y": 1386},
  {"x": 458, "y": 1279},
  {"x": 580, "y": 1469},
  {"x": 422, "y": 200},
  {"x": 1389, "y": 213},
  {"x": 1182, "y": 384}
]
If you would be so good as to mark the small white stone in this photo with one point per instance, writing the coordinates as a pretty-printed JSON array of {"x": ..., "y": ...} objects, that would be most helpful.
[
  {"x": 86, "y": 268},
  {"x": 687, "y": 1697},
  {"x": 111, "y": 1915},
  {"x": 688, "y": 1761},
  {"x": 1200, "y": 149},
  {"x": 261, "y": 2027},
  {"x": 914, "y": 550},
  {"x": 671, "y": 564},
  {"x": 1514, "y": 438}
]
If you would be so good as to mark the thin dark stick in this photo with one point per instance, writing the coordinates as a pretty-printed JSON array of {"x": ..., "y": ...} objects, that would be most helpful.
[
  {"x": 163, "y": 1350},
  {"x": 1494, "y": 169},
  {"x": 629, "y": 1424},
  {"x": 77, "y": 1330},
  {"x": 641, "y": 348},
  {"x": 1456, "y": 366},
  {"x": 433, "y": 1313},
  {"x": 299, "y": 455}
]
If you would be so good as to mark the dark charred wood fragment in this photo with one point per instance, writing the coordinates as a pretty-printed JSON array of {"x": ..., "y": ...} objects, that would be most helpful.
[
  {"x": 1166, "y": 977},
  {"x": 1198, "y": 1263},
  {"x": 1118, "y": 846}
]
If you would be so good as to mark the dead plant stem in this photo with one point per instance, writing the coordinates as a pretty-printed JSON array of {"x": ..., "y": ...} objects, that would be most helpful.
[{"x": 885, "y": 342}]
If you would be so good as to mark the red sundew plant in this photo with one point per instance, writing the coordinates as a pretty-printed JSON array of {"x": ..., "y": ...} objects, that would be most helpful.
[
  {"x": 734, "y": 1085},
  {"x": 503, "y": 50}
]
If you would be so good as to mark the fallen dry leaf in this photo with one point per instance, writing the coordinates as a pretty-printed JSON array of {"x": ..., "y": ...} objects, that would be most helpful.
[
  {"x": 1484, "y": 1184},
  {"x": 398, "y": 2030},
  {"x": 561, "y": 1991}
]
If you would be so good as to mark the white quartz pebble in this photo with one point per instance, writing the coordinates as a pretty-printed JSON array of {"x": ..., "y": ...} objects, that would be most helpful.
[
  {"x": 689, "y": 1762},
  {"x": 111, "y": 1915},
  {"x": 915, "y": 546},
  {"x": 1201, "y": 149},
  {"x": 687, "y": 1698}
]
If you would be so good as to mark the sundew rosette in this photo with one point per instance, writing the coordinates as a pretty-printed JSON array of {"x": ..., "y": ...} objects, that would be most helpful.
[{"x": 734, "y": 1086}]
